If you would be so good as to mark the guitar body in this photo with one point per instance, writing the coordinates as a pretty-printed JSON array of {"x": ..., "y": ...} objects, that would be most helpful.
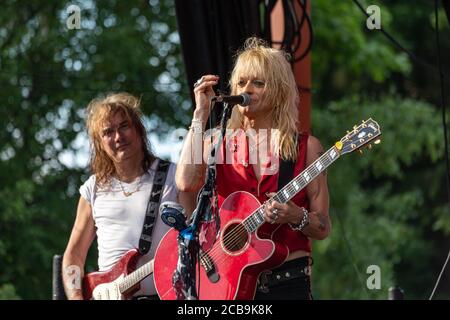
[
  {"x": 237, "y": 262},
  {"x": 106, "y": 279}
]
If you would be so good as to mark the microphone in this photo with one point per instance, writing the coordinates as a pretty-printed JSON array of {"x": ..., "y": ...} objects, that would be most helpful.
[
  {"x": 172, "y": 214},
  {"x": 243, "y": 99}
]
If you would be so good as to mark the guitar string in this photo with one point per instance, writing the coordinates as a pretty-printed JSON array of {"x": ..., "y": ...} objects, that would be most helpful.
[
  {"x": 325, "y": 160},
  {"x": 240, "y": 229},
  {"x": 236, "y": 234},
  {"x": 127, "y": 281},
  {"x": 240, "y": 233},
  {"x": 233, "y": 240},
  {"x": 241, "y": 226},
  {"x": 126, "y": 284}
]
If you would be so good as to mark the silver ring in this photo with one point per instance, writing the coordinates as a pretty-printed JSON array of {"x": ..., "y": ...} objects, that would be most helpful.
[
  {"x": 275, "y": 214},
  {"x": 198, "y": 82}
]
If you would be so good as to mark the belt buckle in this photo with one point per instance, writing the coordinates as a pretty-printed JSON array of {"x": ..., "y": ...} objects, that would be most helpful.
[
  {"x": 263, "y": 281},
  {"x": 306, "y": 271}
]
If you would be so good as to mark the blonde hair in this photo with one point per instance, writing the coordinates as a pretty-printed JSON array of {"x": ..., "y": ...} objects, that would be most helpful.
[
  {"x": 99, "y": 111},
  {"x": 260, "y": 61}
]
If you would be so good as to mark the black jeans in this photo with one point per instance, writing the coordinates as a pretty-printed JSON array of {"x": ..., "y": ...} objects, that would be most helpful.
[{"x": 291, "y": 281}]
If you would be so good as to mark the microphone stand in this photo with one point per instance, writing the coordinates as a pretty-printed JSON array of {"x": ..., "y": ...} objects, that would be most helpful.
[{"x": 184, "y": 279}]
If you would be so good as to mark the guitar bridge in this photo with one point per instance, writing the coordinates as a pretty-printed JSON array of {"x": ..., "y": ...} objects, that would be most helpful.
[{"x": 210, "y": 269}]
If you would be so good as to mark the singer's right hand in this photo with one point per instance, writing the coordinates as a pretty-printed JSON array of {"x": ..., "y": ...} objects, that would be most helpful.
[{"x": 203, "y": 95}]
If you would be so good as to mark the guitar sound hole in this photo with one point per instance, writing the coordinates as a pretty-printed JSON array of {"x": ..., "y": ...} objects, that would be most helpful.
[{"x": 235, "y": 237}]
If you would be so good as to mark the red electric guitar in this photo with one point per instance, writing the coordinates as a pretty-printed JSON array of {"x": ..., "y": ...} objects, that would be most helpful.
[
  {"x": 244, "y": 248},
  {"x": 118, "y": 283}
]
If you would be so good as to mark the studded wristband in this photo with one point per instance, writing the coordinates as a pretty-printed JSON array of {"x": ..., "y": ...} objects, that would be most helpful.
[{"x": 303, "y": 223}]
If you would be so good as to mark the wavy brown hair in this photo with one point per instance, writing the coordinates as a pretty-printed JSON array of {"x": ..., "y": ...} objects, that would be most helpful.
[
  {"x": 260, "y": 61},
  {"x": 99, "y": 111}
]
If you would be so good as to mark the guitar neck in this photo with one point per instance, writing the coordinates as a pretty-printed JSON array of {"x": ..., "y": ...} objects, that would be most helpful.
[
  {"x": 256, "y": 219},
  {"x": 135, "y": 277}
]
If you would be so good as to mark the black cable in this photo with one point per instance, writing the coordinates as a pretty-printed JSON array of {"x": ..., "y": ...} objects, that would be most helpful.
[
  {"x": 292, "y": 38},
  {"x": 442, "y": 78},
  {"x": 395, "y": 42},
  {"x": 266, "y": 27},
  {"x": 352, "y": 257},
  {"x": 443, "y": 107},
  {"x": 299, "y": 26},
  {"x": 443, "y": 102},
  {"x": 290, "y": 27},
  {"x": 305, "y": 17},
  {"x": 439, "y": 277}
]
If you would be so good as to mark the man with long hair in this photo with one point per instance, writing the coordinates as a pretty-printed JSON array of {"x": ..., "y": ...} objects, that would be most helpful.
[
  {"x": 114, "y": 200},
  {"x": 270, "y": 120}
]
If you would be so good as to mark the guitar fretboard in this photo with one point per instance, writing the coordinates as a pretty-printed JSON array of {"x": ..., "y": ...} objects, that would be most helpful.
[
  {"x": 256, "y": 219},
  {"x": 135, "y": 277}
]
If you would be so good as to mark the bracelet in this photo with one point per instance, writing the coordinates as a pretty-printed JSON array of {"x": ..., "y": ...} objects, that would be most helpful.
[
  {"x": 196, "y": 126},
  {"x": 303, "y": 223}
]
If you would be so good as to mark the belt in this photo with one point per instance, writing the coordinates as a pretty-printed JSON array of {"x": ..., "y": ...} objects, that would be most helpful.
[{"x": 294, "y": 269}]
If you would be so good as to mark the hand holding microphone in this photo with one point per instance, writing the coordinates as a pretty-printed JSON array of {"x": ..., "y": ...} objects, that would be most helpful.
[{"x": 204, "y": 94}]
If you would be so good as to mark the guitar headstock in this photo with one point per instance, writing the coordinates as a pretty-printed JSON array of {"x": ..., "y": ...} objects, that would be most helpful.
[{"x": 360, "y": 136}]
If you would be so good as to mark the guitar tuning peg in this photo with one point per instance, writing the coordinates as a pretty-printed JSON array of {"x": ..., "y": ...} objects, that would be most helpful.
[
  {"x": 369, "y": 146},
  {"x": 378, "y": 141},
  {"x": 360, "y": 151}
]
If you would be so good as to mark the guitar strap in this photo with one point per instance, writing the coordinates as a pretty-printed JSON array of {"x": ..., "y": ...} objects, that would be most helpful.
[
  {"x": 151, "y": 213},
  {"x": 286, "y": 170}
]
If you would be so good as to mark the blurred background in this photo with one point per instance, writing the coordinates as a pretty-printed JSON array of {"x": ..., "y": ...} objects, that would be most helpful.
[{"x": 389, "y": 206}]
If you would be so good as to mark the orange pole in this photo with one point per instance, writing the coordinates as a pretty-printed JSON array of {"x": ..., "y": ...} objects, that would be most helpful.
[{"x": 302, "y": 69}]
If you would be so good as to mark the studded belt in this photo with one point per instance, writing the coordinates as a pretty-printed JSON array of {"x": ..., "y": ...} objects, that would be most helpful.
[{"x": 294, "y": 269}]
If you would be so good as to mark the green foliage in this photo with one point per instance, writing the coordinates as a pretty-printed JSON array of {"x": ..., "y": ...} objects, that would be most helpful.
[
  {"x": 48, "y": 74},
  {"x": 346, "y": 51},
  {"x": 8, "y": 292},
  {"x": 389, "y": 208},
  {"x": 378, "y": 204}
]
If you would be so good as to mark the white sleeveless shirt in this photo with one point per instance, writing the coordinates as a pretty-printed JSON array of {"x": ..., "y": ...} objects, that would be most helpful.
[{"x": 119, "y": 219}]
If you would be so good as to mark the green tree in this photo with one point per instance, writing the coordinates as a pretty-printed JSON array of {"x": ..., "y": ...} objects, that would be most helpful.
[
  {"x": 48, "y": 74},
  {"x": 389, "y": 207}
]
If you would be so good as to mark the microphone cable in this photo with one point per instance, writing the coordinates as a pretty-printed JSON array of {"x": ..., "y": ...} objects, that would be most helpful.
[
  {"x": 352, "y": 256},
  {"x": 292, "y": 38},
  {"x": 442, "y": 78},
  {"x": 443, "y": 106},
  {"x": 397, "y": 44}
]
